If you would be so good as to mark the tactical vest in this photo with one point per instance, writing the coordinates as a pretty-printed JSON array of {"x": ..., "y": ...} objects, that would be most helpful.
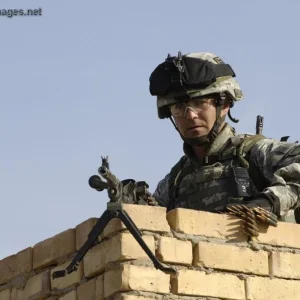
[{"x": 223, "y": 178}]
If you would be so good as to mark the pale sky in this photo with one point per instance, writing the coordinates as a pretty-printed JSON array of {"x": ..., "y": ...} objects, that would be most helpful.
[{"x": 75, "y": 87}]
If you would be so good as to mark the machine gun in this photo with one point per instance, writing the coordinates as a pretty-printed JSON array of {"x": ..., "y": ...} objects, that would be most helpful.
[{"x": 119, "y": 192}]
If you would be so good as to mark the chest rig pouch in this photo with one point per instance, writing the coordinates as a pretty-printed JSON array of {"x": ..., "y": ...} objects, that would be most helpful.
[
  {"x": 222, "y": 179},
  {"x": 211, "y": 186},
  {"x": 242, "y": 182}
]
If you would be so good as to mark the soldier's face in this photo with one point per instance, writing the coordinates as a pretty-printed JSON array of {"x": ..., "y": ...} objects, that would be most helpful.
[{"x": 196, "y": 124}]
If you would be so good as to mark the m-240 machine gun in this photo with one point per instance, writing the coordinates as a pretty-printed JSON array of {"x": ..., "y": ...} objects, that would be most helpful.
[{"x": 119, "y": 192}]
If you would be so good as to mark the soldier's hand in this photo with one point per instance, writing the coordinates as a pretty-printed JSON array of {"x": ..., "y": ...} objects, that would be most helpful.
[{"x": 151, "y": 201}]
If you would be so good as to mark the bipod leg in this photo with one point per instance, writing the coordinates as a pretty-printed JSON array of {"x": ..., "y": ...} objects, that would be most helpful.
[
  {"x": 92, "y": 237},
  {"x": 125, "y": 218}
]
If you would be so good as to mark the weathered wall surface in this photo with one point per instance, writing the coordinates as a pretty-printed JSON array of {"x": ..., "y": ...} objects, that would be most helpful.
[{"x": 210, "y": 252}]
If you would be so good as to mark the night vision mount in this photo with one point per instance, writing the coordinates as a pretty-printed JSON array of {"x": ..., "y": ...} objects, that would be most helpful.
[{"x": 119, "y": 192}]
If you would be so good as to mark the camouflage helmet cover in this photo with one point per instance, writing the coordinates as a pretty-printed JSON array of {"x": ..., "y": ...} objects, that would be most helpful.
[{"x": 222, "y": 84}]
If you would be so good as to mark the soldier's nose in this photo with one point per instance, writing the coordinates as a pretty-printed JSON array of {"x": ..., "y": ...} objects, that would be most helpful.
[{"x": 190, "y": 113}]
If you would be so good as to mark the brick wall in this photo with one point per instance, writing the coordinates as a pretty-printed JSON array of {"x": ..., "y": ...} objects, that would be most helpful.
[{"x": 211, "y": 254}]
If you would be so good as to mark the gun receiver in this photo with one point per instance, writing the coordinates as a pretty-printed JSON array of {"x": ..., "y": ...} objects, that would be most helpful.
[{"x": 119, "y": 192}]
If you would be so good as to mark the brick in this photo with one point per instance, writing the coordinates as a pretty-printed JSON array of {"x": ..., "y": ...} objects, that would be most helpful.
[
  {"x": 135, "y": 278},
  {"x": 82, "y": 231},
  {"x": 48, "y": 251},
  {"x": 5, "y": 295},
  {"x": 172, "y": 250},
  {"x": 285, "y": 234},
  {"x": 286, "y": 265},
  {"x": 124, "y": 247},
  {"x": 99, "y": 287},
  {"x": 87, "y": 290},
  {"x": 15, "y": 265},
  {"x": 198, "y": 283},
  {"x": 37, "y": 287},
  {"x": 152, "y": 218},
  {"x": 206, "y": 224},
  {"x": 66, "y": 281},
  {"x": 69, "y": 296},
  {"x": 229, "y": 257},
  {"x": 260, "y": 288}
]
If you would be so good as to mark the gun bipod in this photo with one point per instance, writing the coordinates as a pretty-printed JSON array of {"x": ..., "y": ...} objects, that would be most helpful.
[{"x": 114, "y": 210}]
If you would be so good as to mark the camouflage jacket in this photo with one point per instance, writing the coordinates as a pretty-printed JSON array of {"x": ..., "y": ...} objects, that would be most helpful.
[{"x": 277, "y": 164}]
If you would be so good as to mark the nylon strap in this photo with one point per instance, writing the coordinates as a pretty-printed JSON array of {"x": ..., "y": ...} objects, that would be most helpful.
[{"x": 246, "y": 146}]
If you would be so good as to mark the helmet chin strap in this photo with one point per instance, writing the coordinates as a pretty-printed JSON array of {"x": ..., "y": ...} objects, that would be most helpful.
[{"x": 205, "y": 140}]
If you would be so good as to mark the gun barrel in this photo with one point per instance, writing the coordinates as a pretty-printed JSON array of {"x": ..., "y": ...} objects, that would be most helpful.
[
  {"x": 259, "y": 124},
  {"x": 114, "y": 184},
  {"x": 112, "y": 180}
]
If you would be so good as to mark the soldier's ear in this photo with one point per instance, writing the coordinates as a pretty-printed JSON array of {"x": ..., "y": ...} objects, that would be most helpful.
[{"x": 225, "y": 109}]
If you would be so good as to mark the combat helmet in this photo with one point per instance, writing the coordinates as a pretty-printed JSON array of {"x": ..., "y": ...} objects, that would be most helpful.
[{"x": 184, "y": 77}]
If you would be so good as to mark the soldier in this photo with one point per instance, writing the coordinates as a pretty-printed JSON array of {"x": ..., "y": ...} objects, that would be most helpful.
[{"x": 219, "y": 168}]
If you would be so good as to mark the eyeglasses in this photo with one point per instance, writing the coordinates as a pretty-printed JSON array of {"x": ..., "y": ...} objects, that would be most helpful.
[{"x": 197, "y": 105}]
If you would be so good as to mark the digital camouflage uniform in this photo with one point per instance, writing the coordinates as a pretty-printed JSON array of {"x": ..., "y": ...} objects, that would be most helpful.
[
  {"x": 265, "y": 175},
  {"x": 275, "y": 167}
]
